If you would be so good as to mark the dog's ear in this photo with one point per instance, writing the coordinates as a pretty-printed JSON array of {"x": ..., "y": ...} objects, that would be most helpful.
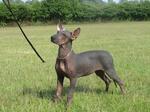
[
  {"x": 75, "y": 33},
  {"x": 60, "y": 27}
]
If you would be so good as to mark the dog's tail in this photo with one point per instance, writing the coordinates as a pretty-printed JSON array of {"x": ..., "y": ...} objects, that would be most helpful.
[{"x": 109, "y": 79}]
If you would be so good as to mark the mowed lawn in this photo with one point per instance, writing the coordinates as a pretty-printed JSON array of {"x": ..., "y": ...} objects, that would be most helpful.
[{"x": 27, "y": 84}]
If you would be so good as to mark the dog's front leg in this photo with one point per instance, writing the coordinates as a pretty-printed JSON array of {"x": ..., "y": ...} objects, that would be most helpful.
[
  {"x": 73, "y": 82},
  {"x": 60, "y": 79}
]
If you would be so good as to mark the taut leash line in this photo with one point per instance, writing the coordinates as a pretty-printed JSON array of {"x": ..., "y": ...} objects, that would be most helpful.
[{"x": 16, "y": 20}]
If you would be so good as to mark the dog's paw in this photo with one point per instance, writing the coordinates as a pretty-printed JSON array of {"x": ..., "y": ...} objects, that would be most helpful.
[{"x": 56, "y": 98}]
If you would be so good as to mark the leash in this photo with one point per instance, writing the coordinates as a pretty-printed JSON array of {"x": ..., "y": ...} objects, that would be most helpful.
[{"x": 16, "y": 20}]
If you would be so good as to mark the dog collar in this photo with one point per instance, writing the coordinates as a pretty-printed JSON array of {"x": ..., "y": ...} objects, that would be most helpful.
[{"x": 65, "y": 56}]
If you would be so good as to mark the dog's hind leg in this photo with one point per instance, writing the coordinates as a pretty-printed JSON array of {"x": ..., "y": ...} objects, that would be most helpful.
[
  {"x": 103, "y": 76},
  {"x": 112, "y": 74}
]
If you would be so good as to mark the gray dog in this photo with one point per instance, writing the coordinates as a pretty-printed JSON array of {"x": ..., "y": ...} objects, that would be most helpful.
[{"x": 72, "y": 65}]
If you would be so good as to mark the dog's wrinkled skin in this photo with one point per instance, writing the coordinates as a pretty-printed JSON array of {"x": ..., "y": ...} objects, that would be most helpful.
[{"x": 72, "y": 65}]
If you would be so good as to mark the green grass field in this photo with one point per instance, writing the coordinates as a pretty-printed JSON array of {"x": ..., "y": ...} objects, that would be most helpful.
[{"x": 27, "y": 85}]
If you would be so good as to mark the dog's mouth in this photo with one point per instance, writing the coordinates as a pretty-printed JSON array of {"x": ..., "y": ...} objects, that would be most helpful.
[
  {"x": 58, "y": 43},
  {"x": 55, "y": 42}
]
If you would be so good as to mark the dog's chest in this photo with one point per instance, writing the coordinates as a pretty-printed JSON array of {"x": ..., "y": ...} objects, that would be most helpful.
[
  {"x": 62, "y": 66},
  {"x": 67, "y": 67}
]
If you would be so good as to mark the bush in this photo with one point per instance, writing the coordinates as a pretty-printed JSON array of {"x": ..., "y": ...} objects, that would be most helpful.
[{"x": 75, "y": 10}]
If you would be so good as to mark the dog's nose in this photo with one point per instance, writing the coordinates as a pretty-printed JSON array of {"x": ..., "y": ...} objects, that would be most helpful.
[{"x": 52, "y": 38}]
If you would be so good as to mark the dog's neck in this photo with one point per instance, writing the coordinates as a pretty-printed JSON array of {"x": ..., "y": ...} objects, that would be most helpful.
[{"x": 65, "y": 51}]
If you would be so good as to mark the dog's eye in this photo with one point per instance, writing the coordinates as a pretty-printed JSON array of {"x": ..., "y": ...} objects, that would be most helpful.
[{"x": 64, "y": 33}]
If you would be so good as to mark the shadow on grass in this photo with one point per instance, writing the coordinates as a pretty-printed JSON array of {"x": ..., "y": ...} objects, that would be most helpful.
[{"x": 49, "y": 93}]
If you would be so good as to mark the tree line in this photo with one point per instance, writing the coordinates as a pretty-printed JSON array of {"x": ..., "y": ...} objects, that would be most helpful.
[{"x": 75, "y": 11}]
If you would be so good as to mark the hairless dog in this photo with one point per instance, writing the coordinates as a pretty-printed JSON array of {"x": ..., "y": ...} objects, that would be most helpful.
[{"x": 72, "y": 65}]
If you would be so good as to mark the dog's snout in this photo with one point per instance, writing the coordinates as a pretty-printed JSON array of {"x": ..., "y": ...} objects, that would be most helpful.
[{"x": 52, "y": 38}]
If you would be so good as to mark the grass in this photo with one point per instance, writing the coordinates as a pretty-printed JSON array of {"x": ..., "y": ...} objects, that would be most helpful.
[{"x": 27, "y": 85}]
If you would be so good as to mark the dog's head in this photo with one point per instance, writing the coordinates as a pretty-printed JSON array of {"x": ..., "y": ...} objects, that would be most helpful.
[{"x": 63, "y": 36}]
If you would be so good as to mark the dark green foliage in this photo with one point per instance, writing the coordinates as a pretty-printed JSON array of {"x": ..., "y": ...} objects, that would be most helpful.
[
  {"x": 75, "y": 10},
  {"x": 22, "y": 13},
  {"x": 60, "y": 10}
]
